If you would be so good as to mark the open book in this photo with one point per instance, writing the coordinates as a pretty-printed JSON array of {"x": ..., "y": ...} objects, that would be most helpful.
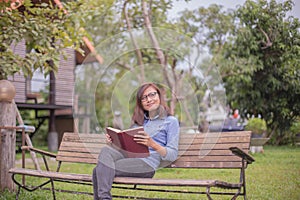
[{"x": 123, "y": 141}]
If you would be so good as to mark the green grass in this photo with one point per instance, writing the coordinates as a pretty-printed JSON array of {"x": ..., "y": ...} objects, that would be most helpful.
[{"x": 275, "y": 175}]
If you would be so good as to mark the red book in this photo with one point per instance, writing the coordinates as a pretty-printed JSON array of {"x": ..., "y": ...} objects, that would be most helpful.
[{"x": 123, "y": 141}]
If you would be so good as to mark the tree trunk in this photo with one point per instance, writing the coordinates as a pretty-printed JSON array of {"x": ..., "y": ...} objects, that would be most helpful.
[
  {"x": 7, "y": 145},
  {"x": 52, "y": 134}
]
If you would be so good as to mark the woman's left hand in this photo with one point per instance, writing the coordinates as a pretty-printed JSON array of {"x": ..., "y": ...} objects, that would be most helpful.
[{"x": 143, "y": 138}]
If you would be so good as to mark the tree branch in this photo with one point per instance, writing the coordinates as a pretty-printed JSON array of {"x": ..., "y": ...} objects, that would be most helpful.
[
  {"x": 124, "y": 65},
  {"x": 135, "y": 44},
  {"x": 268, "y": 43},
  {"x": 159, "y": 52}
]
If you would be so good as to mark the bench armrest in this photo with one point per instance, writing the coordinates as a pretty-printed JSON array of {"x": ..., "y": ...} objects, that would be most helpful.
[
  {"x": 39, "y": 151},
  {"x": 237, "y": 151}
]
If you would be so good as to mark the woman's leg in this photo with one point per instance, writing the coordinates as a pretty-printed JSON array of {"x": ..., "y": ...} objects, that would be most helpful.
[
  {"x": 104, "y": 173},
  {"x": 133, "y": 167},
  {"x": 112, "y": 163}
]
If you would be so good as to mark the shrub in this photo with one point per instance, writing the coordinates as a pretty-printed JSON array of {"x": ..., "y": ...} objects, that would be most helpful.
[
  {"x": 257, "y": 126},
  {"x": 295, "y": 132}
]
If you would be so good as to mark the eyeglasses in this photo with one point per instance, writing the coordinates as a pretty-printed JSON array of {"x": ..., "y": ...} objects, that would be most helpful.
[{"x": 151, "y": 95}]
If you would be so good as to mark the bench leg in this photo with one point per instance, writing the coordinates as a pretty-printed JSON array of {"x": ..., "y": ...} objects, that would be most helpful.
[
  {"x": 52, "y": 188},
  {"x": 208, "y": 193},
  {"x": 243, "y": 179},
  {"x": 18, "y": 192},
  {"x": 236, "y": 194},
  {"x": 31, "y": 189}
]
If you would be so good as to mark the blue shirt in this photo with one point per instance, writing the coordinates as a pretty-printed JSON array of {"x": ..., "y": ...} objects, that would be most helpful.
[{"x": 164, "y": 131}]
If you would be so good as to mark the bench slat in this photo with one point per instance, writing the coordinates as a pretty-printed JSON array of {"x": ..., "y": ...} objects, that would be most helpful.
[
  {"x": 196, "y": 158},
  {"x": 86, "y": 135},
  {"x": 49, "y": 174},
  {"x": 233, "y": 134},
  {"x": 85, "y": 140},
  {"x": 181, "y": 147},
  {"x": 224, "y": 158},
  {"x": 162, "y": 182},
  {"x": 79, "y": 149},
  {"x": 206, "y": 152},
  {"x": 123, "y": 180},
  {"x": 79, "y": 154},
  {"x": 77, "y": 160},
  {"x": 182, "y": 135},
  {"x": 87, "y": 145},
  {"x": 213, "y": 140},
  {"x": 213, "y": 146},
  {"x": 181, "y": 152},
  {"x": 214, "y": 165},
  {"x": 184, "y": 138}
]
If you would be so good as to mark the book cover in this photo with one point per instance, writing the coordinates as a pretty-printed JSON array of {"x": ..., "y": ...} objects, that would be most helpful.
[{"x": 123, "y": 141}]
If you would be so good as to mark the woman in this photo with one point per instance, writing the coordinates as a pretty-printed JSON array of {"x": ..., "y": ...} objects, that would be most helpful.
[{"x": 161, "y": 135}]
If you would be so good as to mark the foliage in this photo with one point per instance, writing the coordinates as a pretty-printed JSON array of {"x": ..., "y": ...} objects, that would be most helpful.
[
  {"x": 256, "y": 125},
  {"x": 261, "y": 67},
  {"x": 113, "y": 37},
  {"x": 290, "y": 136},
  {"x": 256, "y": 49},
  {"x": 208, "y": 26},
  {"x": 46, "y": 30},
  {"x": 296, "y": 127}
]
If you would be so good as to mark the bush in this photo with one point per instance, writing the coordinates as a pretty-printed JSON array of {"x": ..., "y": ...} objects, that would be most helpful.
[
  {"x": 295, "y": 132},
  {"x": 257, "y": 126},
  {"x": 295, "y": 129}
]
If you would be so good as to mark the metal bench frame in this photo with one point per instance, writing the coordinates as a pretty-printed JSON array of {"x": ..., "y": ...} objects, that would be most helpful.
[{"x": 226, "y": 150}]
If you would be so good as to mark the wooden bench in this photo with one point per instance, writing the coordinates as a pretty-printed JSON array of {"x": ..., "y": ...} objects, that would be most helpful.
[{"x": 227, "y": 150}]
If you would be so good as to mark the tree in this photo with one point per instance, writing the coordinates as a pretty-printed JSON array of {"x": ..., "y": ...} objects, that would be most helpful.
[
  {"x": 47, "y": 31},
  {"x": 256, "y": 49},
  {"x": 210, "y": 28},
  {"x": 261, "y": 67},
  {"x": 137, "y": 48}
]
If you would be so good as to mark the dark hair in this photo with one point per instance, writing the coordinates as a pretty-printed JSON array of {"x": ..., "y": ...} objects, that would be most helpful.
[{"x": 138, "y": 114}]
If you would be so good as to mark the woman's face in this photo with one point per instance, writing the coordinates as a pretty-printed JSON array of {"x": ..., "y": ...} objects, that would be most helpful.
[{"x": 150, "y": 99}]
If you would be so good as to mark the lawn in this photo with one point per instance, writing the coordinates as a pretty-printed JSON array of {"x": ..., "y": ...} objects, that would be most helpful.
[{"x": 275, "y": 175}]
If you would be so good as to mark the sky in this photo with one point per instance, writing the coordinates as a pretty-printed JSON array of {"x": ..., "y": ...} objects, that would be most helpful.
[{"x": 193, "y": 4}]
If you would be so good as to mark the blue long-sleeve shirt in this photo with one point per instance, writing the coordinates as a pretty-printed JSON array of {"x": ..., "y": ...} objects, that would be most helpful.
[{"x": 164, "y": 131}]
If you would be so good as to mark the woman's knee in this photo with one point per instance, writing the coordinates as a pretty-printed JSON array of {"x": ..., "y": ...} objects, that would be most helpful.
[
  {"x": 104, "y": 151},
  {"x": 109, "y": 154}
]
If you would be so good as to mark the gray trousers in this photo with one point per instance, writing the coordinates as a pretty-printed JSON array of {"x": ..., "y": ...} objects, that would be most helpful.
[{"x": 111, "y": 163}]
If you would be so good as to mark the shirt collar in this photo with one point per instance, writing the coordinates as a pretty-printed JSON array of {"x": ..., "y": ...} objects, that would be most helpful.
[{"x": 148, "y": 118}]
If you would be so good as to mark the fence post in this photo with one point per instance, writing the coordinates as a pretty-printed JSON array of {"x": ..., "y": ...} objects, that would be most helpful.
[{"x": 8, "y": 144}]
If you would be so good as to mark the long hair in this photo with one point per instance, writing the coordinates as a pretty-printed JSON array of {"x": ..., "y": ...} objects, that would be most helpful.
[{"x": 139, "y": 112}]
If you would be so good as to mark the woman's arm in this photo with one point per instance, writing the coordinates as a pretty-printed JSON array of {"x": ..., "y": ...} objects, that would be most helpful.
[
  {"x": 145, "y": 139},
  {"x": 172, "y": 139},
  {"x": 168, "y": 152}
]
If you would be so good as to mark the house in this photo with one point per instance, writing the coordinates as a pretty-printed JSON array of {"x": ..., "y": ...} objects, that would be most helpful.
[
  {"x": 56, "y": 95},
  {"x": 27, "y": 97}
]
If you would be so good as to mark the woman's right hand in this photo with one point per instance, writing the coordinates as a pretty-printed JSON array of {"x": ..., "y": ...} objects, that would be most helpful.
[{"x": 108, "y": 139}]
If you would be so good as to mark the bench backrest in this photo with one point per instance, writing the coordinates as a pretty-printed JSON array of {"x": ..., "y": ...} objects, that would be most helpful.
[{"x": 209, "y": 150}]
